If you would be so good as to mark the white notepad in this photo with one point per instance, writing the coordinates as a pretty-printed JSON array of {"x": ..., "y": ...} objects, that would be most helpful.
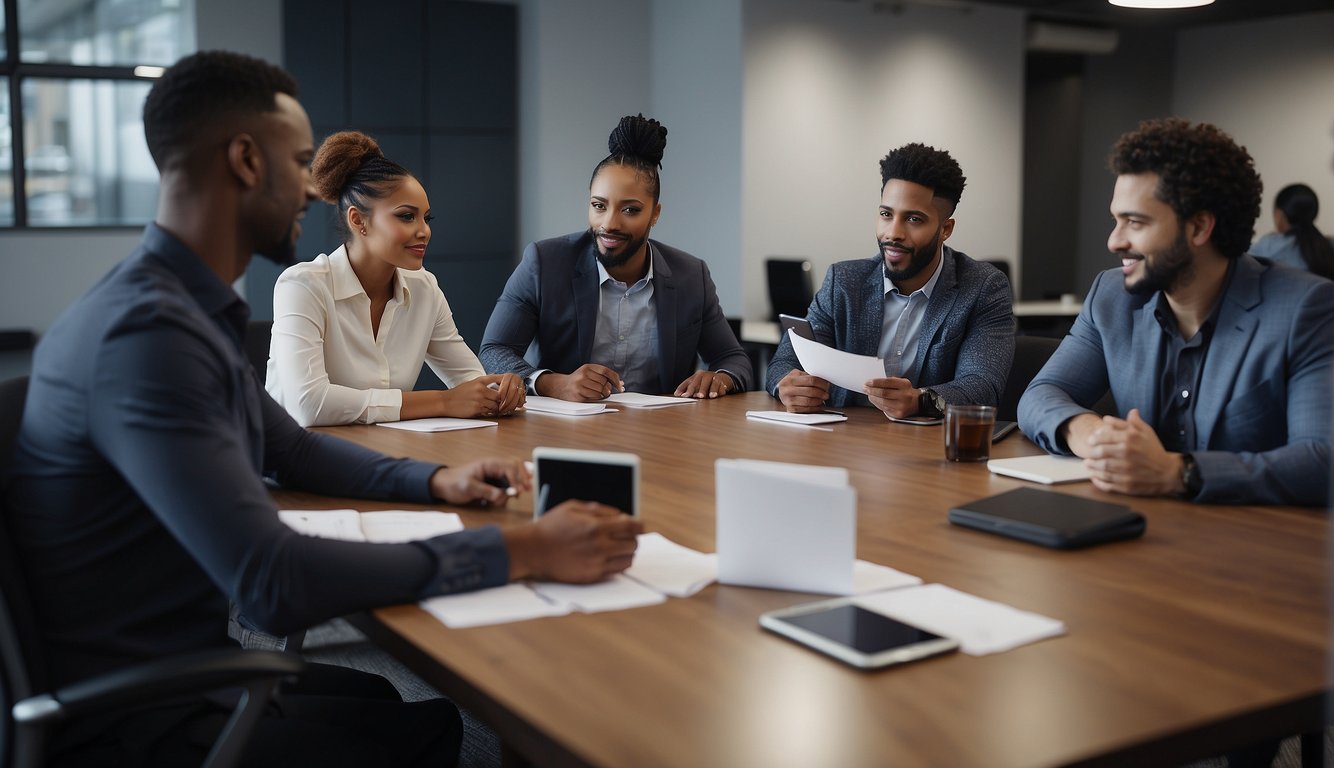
[
  {"x": 798, "y": 419},
  {"x": 441, "y": 424},
  {"x": 641, "y": 400},
  {"x": 539, "y": 404},
  {"x": 1042, "y": 469}
]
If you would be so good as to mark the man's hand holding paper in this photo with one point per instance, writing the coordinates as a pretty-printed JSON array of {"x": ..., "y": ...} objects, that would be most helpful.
[{"x": 806, "y": 389}]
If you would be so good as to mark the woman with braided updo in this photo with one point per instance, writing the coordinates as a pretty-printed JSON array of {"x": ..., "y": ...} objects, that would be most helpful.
[
  {"x": 608, "y": 310},
  {"x": 352, "y": 328}
]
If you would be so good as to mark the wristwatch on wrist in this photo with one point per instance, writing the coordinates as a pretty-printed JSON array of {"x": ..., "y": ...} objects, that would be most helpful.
[
  {"x": 930, "y": 403},
  {"x": 1190, "y": 476}
]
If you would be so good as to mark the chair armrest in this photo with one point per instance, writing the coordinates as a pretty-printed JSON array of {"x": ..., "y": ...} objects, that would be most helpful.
[{"x": 158, "y": 680}]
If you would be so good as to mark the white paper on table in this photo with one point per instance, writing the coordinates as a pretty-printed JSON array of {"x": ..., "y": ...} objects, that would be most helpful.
[
  {"x": 613, "y": 594},
  {"x": 540, "y": 404},
  {"x": 870, "y": 577},
  {"x": 397, "y": 525},
  {"x": 441, "y": 424},
  {"x": 785, "y": 526},
  {"x": 341, "y": 524},
  {"x": 1042, "y": 469},
  {"x": 498, "y": 605},
  {"x": 670, "y": 568},
  {"x": 845, "y": 369},
  {"x": 981, "y": 626},
  {"x": 641, "y": 400},
  {"x": 811, "y": 420}
]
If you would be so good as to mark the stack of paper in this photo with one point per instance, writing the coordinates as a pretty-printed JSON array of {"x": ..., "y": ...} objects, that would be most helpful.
[
  {"x": 639, "y": 400},
  {"x": 539, "y": 404},
  {"x": 662, "y": 569},
  {"x": 387, "y": 526},
  {"x": 437, "y": 424},
  {"x": 811, "y": 420},
  {"x": 981, "y": 626}
]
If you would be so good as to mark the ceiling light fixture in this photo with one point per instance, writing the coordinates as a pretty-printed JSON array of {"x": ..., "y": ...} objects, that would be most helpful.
[{"x": 1160, "y": 4}]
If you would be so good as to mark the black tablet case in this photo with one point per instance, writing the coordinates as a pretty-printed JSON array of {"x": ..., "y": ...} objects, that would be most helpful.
[{"x": 1051, "y": 519}]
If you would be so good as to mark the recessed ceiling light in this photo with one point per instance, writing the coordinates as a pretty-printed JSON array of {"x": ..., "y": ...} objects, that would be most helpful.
[{"x": 1160, "y": 3}]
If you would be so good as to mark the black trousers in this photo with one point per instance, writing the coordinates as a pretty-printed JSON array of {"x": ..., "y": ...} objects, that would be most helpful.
[{"x": 332, "y": 717}]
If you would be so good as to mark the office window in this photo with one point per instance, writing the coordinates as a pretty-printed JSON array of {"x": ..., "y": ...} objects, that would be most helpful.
[{"x": 72, "y": 151}]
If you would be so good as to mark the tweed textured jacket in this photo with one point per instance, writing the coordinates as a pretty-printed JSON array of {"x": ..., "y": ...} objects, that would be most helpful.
[{"x": 967, "y": 338}]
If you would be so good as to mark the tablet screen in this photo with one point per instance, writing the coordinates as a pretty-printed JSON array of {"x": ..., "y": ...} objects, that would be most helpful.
[
  {"x": 858, "y": 628},
  {"x": 610, "y": 484}
]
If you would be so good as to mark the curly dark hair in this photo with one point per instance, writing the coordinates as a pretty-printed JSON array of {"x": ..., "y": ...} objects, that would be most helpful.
[
  {"x": 928, "y": 166},
  {"x": 203, "y": 90},
  {"x": 1199, "y": 168},
  {"x": 350, "y": 170},
  {"x": 637, "y": 142}
]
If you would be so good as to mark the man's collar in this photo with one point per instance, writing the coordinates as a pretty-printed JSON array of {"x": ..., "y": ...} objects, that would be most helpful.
[{"x": 212, "y": 294}]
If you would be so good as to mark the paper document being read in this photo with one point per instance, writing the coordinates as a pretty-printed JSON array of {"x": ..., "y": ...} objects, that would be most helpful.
[{"x": 844, "y": 369}]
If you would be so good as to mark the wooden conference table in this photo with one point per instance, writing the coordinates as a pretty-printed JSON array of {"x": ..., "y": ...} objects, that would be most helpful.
[{"x": 1207, "y": 634}]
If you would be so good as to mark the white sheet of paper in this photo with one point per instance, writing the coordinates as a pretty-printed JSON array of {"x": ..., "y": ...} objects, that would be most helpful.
[
  {"x": 539, "y": 404},
  {"x": 614, "y": 594},
  {"x": 798, "y": 419},
  {"x": 1042, "y": 469},
  {"x": 640, "y": 400},
  {"x": 845, "y": 369},
  {"x": 870, "y": 577},
  {"x": 396, "y": 525},
  {"x": 341, "y": 524},
  {"x": 498, "y": 605},
  {"x": 780, "y": 528},
  {"x": 670, "y": 568},
  {"x": 981, "y": 626},
  {"x": 441, "y": 424}
]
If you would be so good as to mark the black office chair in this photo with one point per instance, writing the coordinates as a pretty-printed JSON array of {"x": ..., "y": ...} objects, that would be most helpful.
[
  {"x": 31, "y": 711},
  {"x": 1030, "y": 354},
  {"x": 257, "y": 335},
  {"x": 790, "y": 288}
]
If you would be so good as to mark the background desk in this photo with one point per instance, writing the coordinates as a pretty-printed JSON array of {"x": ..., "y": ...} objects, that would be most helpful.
[{"x": 1207, "y": 634}]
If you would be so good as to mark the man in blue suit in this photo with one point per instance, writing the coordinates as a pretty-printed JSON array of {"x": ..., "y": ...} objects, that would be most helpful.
[
  {"x": 607, "y": 309},
  {"x": 942, "y": 322},
  {"x": 1220, "y": 362}
]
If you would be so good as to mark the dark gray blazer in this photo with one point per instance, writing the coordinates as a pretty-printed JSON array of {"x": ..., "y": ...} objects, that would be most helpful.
[
  {"x": 548, "y": 312},
  {"x": 1262, "y": 413},
  {"x": 967, "y": 339}
]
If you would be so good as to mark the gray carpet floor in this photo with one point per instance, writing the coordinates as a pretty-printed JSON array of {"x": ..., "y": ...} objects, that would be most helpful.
[{"x": 338, "y": 642}]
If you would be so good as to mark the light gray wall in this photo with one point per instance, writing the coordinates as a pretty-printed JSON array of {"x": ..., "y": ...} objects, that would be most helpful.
[
  {"x": 831, "y": 87},
  {"x": 1275, "y": 96},
  {"x": 45, "y": 271}
]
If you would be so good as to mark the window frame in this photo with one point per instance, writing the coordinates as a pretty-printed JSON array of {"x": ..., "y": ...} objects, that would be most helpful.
[{"x": 15, "y": 71}]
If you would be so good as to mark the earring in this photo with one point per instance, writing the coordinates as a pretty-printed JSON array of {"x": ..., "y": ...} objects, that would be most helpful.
[{"x": 363, "y": 231}]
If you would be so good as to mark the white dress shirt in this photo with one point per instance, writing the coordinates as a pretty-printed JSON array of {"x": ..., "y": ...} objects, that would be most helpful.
[{"x": 326, "y": 367}]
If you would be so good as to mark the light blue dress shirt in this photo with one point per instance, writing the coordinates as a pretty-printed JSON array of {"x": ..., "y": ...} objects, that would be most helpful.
[
  {"x": 626, "y": 339},
  {"x": 902, "y": 326}
]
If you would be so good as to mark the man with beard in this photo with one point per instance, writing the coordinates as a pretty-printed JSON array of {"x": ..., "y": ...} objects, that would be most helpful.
[
  {"x": 609, "y": 310},
  {"x": 136, "y": 500},
  {"x": 1219, "y": 362},
  {"x": 942, "y": 322}
]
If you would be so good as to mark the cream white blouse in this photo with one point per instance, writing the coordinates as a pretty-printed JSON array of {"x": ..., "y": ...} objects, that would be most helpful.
[{"x": 326, "y": 367}]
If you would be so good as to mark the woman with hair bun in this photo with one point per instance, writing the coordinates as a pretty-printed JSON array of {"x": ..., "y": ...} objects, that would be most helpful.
[
  {"x": 610, "y": 310},
  {"x": 352, "y": 328},
  {"x": 1297, "y": 242}
]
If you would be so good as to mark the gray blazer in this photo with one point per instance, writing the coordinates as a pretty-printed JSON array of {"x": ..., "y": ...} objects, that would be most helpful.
[
  {"x": 549, "y": 312},
  {"x": 1263, "y": 413},
  {"x": 967, "y": 339}
]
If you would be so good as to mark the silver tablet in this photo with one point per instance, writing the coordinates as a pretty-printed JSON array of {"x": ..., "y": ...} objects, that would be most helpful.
[
  {"x": 855, "y": 635},
  {"x": 561, "y": 474}
]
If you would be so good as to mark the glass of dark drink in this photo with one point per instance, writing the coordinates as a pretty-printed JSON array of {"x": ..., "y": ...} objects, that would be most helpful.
[{"x": 968, "y": 432}]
